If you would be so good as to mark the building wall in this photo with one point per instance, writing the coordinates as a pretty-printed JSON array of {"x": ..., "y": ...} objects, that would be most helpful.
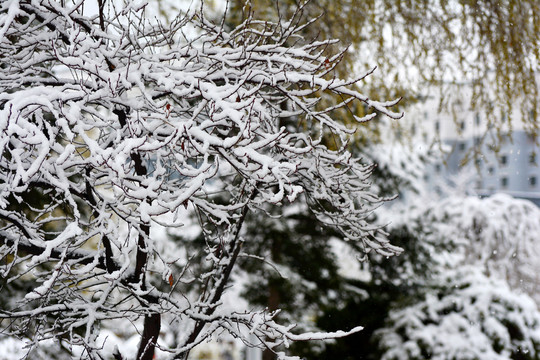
[
  {"x": 512, "y": 169},
  {"x": 475, "y": 157}
]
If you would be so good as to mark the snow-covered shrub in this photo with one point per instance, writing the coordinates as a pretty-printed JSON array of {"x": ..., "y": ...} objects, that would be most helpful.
[
  {"x": 499, "y": 234},
  {"x": 468, "y": 316},
  {"x": 483, "y": 256}
]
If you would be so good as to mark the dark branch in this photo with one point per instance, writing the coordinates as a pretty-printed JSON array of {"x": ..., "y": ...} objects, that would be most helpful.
[
  {"x": 235, "y": 248},
  {"x": 152, "y": 322},
  {"x": 56, "y": 255}
]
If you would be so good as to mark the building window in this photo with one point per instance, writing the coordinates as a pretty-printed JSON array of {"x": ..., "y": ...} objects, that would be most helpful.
[
  {"x": 462, "y": 125},
  {"x": 478, "y": 162},
  {"x": 438, "y": 168},
  {"x": 477, "y": 119},
  {"x": 504, "y": 182},
  {"x": 490, "y": 170},
  {"x": 461, "y": 146},
  {"x": 504, "y": 160},
  {"x": 437, "y": 126},
  {"x": 532, "y": 181},
  {"x": 479, "y": 184},
  {"x": 532, "y": 158}
]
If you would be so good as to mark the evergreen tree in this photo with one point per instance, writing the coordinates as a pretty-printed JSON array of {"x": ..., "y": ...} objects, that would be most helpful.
[
  {"x": 466, "y": 316},
  {"x": 458, "y": 291}
]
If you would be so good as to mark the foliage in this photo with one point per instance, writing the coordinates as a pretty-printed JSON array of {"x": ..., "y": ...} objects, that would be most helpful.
[
  {"x": 492, "y": 46},
  {"x": 113, "y": 124}
]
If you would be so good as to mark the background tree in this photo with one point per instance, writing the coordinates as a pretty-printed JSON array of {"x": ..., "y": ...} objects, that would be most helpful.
[
  {"x": 462, "y": 288},
  {"x": 467, "y": 316},
  {"x": 493, "y": 47},
  {"x": 118, "y": 123},
  {"x": 387, "y": 284},
  {"x": 497, "y": 234}
]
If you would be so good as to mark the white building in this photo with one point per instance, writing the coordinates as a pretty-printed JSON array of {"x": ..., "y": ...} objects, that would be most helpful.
[{"x": 503, "y": 158}]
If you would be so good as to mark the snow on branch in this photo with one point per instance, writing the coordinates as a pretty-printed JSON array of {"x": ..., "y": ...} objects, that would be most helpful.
[{"x": 111, "y": 122}]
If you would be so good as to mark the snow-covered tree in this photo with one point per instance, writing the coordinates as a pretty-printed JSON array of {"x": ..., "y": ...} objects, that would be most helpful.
[
  {"x": 479, "y": 301},
  {"x": 487, "y": 246},
  {"x": 115, "y": 124},
  {"x": 468, "y": 316},
  {"x": 498, "y": 234}
]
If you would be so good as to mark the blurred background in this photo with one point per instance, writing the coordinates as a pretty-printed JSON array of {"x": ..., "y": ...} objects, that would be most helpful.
[{"x": 461, "y": 175}]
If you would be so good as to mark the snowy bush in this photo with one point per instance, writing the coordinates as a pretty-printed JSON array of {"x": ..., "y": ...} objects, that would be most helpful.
[
  {"x": 499, "y": 234},
  {"x": 485, "y": 254},
  {"x": 113, "y": 125},
  {"x": 469, "y": 316}
]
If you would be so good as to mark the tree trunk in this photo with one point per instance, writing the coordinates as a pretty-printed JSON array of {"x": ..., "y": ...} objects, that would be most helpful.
[
  {"x": 152, "y": 325},
  {"x": 274, "y": 296}
]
